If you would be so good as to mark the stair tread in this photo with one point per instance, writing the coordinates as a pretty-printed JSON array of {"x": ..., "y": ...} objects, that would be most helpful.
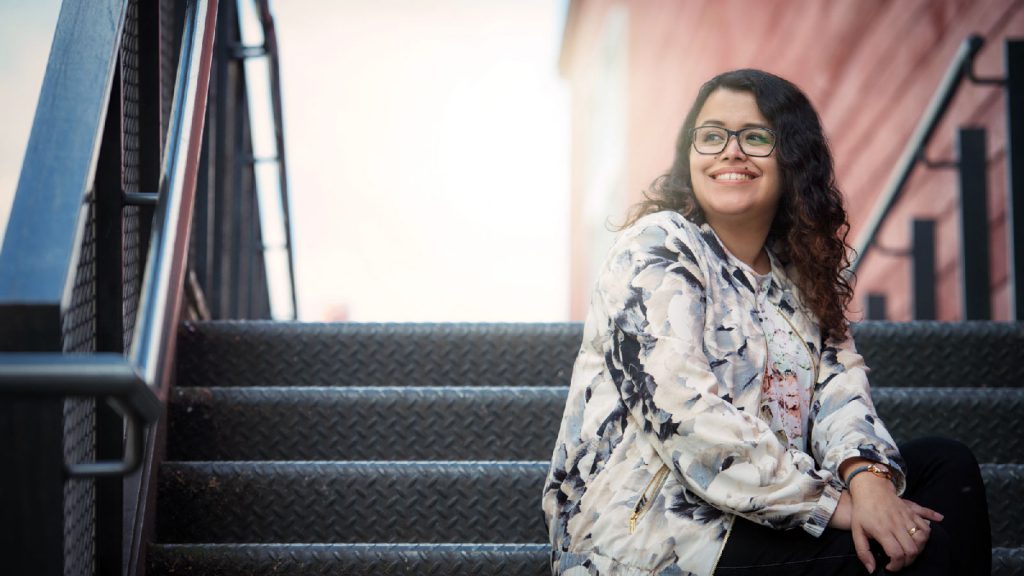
[
  {"x": 351, "y": 502},
  {"x": 405, "y": 501},
  {"x": 244, "y": 353},
  {"x": 394, "y": 559},
  {"x": 508, "y": 423},
  {"x": 309, "y": 559},
  {"x": 237, "y": 353}
]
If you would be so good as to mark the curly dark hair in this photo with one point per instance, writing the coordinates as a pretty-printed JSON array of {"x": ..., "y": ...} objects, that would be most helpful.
[{"x": 810, "y": 226}]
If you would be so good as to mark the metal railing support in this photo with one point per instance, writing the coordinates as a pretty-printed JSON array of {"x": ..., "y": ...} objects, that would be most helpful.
[
  {"x": 875, "y": 307},
  {"x": 1015, "y": 172},
  {"x": 958, "y": 69},
  {"x": 923, "y": 263},
  {"x": 974, "y": 237}
]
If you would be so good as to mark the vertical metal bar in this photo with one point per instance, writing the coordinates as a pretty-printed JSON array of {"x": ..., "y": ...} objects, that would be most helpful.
[
  {"x": 974, "y": 267},
  {"x": 219, "y": 296},
  {"x": 108, "y": 189},
  {"x": 1015, "y": 172},
  {"x": 923, "y": 257},
  {"x": 876, "y": 307}
]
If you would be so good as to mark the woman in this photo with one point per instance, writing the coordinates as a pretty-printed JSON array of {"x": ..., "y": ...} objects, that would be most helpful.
[{"x": 718, "y": 402}]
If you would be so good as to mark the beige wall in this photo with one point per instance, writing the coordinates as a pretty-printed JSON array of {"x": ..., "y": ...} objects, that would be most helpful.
[{"x": 869, "y": 66}]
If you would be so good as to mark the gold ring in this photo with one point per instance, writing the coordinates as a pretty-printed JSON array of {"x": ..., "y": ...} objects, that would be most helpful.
[{"x": 912, "y": 530}]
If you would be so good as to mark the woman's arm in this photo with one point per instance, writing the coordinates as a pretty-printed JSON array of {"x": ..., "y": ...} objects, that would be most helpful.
[
  {"x": 846, "y": 435},
  {"x": 844, "y": 424},
  {"x": 653, "y": 293}
]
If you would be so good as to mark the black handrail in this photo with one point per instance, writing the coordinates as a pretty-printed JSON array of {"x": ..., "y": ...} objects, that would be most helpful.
[
  {"x": 959, "y": 69},
  {"x": 137, "y": 385}
]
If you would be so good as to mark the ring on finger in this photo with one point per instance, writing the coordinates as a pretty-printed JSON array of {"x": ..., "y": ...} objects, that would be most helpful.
[{"x": 912, "y": 530}]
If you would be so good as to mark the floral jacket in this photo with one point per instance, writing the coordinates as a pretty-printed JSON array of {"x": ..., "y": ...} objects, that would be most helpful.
[{"x": 661, "y": 445}]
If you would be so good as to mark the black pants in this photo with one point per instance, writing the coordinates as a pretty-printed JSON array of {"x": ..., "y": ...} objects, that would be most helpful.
[{"x": 941, "y": 474}]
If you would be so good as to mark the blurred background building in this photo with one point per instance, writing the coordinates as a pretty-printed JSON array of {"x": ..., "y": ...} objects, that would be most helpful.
[{"x": 870, "y": 67}]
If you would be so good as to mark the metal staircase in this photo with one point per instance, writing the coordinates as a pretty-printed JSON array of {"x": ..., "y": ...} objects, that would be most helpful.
[{"x": 422, "y": 449}]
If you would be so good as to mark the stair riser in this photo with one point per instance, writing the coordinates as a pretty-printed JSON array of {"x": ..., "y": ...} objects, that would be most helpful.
[
  {"x": 296, "y": 354},
  {"x": 421, "y": 502},
  {"x": 501, "y": 423}
]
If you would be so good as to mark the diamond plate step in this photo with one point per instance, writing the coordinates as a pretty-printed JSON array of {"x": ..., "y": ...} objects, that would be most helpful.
[
  {"x": 408, "y": 502},
  {"x": 391, "y": 559},
  {"x": 365, "y": 423},
  {"x": 1007, "y": 561},
  {"x": 1004, "y": 488},
  {"x": 512, "y": 423},
  {"x": 351, "y": 559},
  {"x": 230, "y": 353},
  {"x": 953, "y": 354},
  {"x": 233, "y": 353},
  {"x": 333, "y": 502},
  {"x": 987, "y": 420}
]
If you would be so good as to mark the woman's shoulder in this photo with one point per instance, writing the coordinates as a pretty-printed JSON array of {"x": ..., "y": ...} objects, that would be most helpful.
[{"x": 659, "y": 231}]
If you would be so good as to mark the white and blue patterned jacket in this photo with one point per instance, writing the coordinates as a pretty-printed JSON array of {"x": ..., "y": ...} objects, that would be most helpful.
[{"x": 661, "y": 445}]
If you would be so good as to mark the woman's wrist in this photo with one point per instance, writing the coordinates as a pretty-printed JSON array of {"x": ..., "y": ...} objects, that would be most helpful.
[{"x": 878, "y": 470}]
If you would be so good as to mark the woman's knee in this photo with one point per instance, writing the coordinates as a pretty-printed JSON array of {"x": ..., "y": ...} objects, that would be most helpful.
[{"x": 947, "y": 453}]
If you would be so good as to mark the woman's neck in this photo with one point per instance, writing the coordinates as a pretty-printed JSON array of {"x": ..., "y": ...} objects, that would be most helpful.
[{"x": 745, "y": 243}]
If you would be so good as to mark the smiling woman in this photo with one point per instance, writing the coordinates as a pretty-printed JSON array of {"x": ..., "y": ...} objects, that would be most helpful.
[{"x": 718, "y": 401}]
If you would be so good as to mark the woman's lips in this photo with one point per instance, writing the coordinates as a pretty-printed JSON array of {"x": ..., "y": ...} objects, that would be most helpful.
[{"x": 732, "y": 176}]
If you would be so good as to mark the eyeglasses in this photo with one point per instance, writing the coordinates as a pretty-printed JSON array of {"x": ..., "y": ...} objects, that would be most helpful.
[{"x": 753, "y": 141}]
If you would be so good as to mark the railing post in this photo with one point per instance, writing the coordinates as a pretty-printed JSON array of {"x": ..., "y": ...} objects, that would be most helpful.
[
  {"x": 876, "y": 307},
  {"x": 923, "y": 262},
  {"x": 974, "y": 268},
  {"x": 1015, "y": 172}
]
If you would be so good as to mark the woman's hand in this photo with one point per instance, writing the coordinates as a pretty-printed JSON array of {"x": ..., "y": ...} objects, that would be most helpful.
[
  {"x": 843, "y": 513},
  {"x": 900, "y": 526}
]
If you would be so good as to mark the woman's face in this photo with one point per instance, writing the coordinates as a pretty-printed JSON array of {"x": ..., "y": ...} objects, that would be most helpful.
[{"x": 731, "y": 187}]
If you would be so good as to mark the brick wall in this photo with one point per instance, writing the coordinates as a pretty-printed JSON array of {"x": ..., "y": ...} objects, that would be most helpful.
[{"x": 869, "y": 66}]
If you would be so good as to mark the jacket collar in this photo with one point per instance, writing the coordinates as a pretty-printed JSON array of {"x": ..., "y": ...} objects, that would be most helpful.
[{"x": 782, "y": 291}]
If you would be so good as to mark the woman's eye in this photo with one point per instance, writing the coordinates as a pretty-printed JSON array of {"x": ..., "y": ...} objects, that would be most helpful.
[
  {"x": 758, "y": 138},
  {"x": 711, "y": 137}
]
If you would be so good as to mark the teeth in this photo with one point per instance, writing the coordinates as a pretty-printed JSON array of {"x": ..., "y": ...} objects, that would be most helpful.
[{"x": 732, "y": 176}]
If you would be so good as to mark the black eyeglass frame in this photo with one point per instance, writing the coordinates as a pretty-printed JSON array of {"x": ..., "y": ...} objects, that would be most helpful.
[{"x": 731, "y": 133}]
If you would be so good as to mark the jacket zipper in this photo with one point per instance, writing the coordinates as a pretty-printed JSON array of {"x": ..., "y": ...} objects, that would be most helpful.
[
  {"x": 721, "y": 549},
  {"x": 648, "y": 496}
]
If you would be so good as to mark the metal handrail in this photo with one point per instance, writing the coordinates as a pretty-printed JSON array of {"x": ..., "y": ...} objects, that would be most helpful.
[
  {"x": 136, "y": 385},
  {"x": 269, "y": 51},
  {"x": 959, "y": 69},
  {"x": 270, "y": 41}
]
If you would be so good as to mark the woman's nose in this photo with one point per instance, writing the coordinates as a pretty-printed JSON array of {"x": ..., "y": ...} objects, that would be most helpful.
[{"x": 732, "y": 148}]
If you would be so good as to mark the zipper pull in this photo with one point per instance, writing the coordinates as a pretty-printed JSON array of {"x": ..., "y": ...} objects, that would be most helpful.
[{"x": 632, "y": 521}]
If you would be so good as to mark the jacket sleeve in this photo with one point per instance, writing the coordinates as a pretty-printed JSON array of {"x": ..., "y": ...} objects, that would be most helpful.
[
  {"x": 652, "y": 290},
  {"x": 844, "y": 423}
]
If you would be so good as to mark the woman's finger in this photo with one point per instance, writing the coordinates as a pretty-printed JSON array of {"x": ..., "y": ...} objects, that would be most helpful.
[
  {"x": 894, "y": 550},
  {"x": 923, "y": 532},
  {"x": 863, "y": 547},
  {"x": 909, "y": 544},
  {"x": 926, "y": 513}
]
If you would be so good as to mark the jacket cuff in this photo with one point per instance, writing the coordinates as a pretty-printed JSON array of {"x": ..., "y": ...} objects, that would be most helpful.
[
  {"x": 822, "y": 512},
  {"x": 899, "y": 480}
]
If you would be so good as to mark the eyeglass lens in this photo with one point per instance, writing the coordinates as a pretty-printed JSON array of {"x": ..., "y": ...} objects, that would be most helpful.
[{"x": 753, "y": 141}]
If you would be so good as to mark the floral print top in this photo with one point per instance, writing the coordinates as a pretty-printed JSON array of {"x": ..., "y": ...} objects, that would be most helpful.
[
  {"x": 788, "y": 377},
  {"x": 661, "y": 443}
]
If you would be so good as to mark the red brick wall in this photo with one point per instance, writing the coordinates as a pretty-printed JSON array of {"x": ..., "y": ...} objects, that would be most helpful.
[{"x": 869, "y": 66}]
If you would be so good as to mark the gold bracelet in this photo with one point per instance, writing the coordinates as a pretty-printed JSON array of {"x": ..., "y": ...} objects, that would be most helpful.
[{"x": 874, "y": 469}]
